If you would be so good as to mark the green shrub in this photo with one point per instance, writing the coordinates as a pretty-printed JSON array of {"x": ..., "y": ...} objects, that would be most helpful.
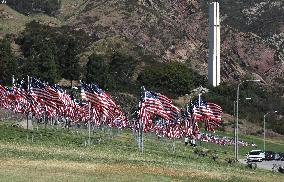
[{"x": 173, "y": 78}]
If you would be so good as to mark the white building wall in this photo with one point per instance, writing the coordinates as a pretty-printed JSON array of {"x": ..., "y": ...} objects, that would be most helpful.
[{"x": 214, "y": 45}]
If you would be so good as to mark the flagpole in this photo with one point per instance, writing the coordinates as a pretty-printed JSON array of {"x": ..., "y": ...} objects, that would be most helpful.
[
  {"x": 138, "y": 135},
  {"x": 28, "y": 110},
  {"x": 89, "y": 124},
  {"x": 139, "y": 125},
  {"x": 191, "y": 119},
  {"x": 143, "y": 124},
  {"x": 142, "y": 142}
]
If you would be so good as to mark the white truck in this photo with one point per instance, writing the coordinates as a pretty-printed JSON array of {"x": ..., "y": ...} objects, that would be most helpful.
[{"x": 255, "y": 155}]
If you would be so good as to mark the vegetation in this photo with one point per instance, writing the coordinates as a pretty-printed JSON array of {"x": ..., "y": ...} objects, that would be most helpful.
[
  {"x": 174, "y": 78},
  {"x": 97, "y": 70},
  {"x": 7, "y": 61},
  {"x": 262, "y": 100},
  {"x": 123, "y": 68},
  {"x": 52, "y": 53},
  {"x": 27, "y": 7},
  {"x": 59, "y": 154}
]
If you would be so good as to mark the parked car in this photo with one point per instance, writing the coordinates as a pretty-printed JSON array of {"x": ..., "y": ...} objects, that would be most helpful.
[
  {"x": 255, "y": 155},
  {"x": 281, "y": 157},
  {"x": 277, "y": 156},
  {"x": 269, "y": 155}
]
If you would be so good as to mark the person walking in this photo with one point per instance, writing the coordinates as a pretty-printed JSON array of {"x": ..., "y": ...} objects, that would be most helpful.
[{"x": 186, "y": 141}]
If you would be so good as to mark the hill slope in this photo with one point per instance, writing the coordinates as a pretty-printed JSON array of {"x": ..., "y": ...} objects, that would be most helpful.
[
  {"x": 252, "y": 31},
  {"x": 178, "y": 30}
]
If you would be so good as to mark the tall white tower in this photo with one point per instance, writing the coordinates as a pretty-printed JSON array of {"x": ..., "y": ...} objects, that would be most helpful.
[{"x": 214, "y": 45}]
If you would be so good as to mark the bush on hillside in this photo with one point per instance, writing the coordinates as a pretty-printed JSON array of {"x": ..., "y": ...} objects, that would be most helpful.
[
  {"x": 276, "y": 124},
  {"x": 27, "y": 7},
  {"x": 173, "y": 78}
]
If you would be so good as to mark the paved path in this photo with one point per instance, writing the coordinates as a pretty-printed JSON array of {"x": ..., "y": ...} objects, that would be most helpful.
[{"x": 264, "y": 164}]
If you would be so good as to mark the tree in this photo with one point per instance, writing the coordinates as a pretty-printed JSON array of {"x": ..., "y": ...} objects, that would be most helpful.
[
  {"x": 52, "y": 48},
  {"x": 8, "y": 63},
  {"x": 70, "y": 62},
  {"x": 171, "y": 78},
  {"x": 97, "y": 71},
  {"x": 30, "y": 67},
  {"x": 122, "y": 68},
  {"x": 46, "y": 65}
]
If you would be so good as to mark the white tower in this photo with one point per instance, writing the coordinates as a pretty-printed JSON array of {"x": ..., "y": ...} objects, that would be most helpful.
[{"x": 214, "y": 45}]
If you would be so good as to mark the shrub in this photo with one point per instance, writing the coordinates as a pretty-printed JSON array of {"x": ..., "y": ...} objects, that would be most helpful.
[{"x": 173, "y": 78}]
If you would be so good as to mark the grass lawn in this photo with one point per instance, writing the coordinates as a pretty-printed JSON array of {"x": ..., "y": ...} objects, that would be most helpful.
[{"x": 56, "y": 154}]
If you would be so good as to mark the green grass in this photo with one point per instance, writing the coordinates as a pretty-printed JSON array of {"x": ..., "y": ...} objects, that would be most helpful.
[
  {"x": 14, "y": 22},
  {"x": 57, "y": 154}
]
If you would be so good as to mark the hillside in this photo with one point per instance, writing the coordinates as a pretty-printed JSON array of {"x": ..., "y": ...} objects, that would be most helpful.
[{"x": 177, "y": 30}]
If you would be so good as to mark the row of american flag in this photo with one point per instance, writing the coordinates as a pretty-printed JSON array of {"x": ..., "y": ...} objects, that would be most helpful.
[{"x": 156, "y": 112}]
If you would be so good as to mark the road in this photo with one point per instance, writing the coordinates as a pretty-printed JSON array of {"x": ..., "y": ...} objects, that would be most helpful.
[{"x": 264, "y": 164}]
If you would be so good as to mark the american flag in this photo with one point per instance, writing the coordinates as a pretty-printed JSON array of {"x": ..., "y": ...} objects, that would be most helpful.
[
  {"x": 92, "y": 93},
  {"x": 172, "y": 111},
  {"x": 65, "y": 103},
  {"x": 53, "y": 90},
  {"x": 156, "y": 104},
  {"x": 215, "y": 111},
  {"x": 3, "y": 91},
  {"x": 22, "y": 95},
  {"x": 174, "y": 130},
  {"x": 39, "y": 91},
  {"x": 96, "y": 116},
  {"x": 160, "y": 127},
  {"x": 152, "y": 104},
  {"x": 144, "y": 117},
  {"x": 65, "y": 97},
  {"x": 208, "y": 112},
  {"x": 213, "y": 118},
  {"x": 107, "y": 109},
  {"x": 8, "y": 99},
  {"x": 199, "y": 109}
]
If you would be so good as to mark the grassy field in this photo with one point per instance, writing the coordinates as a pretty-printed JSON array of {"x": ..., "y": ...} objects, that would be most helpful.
[{"x": 56, "y": 154}]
